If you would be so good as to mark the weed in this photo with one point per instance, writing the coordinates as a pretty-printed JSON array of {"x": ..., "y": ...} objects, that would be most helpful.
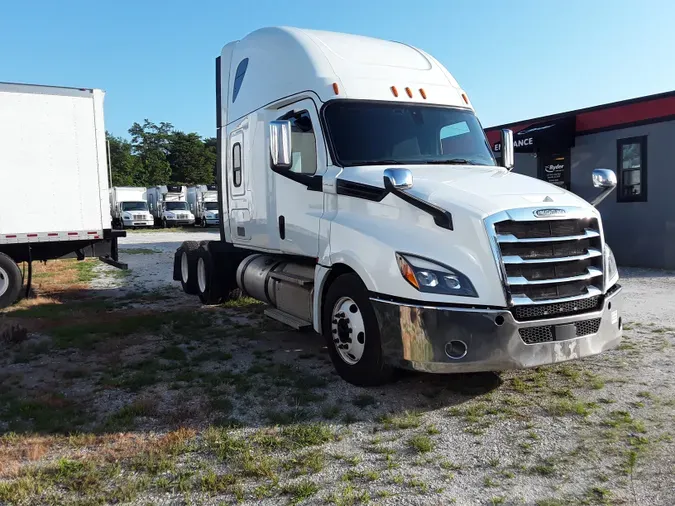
[
  {"x": 306, "y": 463},
  {"x": 420, "y": 443},
  {"x": 494, "y": 462},
  {"x": 544, "y": 468},
  {"x": 173, "y": 353},
  {"x": 348, "y": 496},
  {"x": 300, "y": 491},
  {"x": 216, "y": 483},
  {"x": 420, "y": 486},
  {"x": 364, "y": 400},
  {"x": 302, "y": 435},
  {"x": 494, "y": 501},
  {"x": 489, "y": 482},
  {"x": 406, "y": 420},
  {"x": 432, "y": 430},
  {"x": 450, "y": 466},
  {"x": 564, "y": 407},
  {"x": 330, "y": 412}
]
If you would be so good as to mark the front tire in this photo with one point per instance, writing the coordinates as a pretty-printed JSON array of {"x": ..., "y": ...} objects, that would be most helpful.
[
  {"x": 352, "y": 333},
  {"x": 10, "y": 281}
]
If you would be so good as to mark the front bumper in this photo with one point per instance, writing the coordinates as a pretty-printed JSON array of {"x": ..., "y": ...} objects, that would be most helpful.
[
  {"x": 139, "y": 223},
  {"x": 179, "y": 223},
  {"x": 417, "y": 337}
]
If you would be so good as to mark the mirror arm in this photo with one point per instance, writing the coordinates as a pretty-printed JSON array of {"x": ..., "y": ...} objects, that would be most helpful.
[
  {"x": 604, "y": 194},
  {"x": 442, "y": 218}
]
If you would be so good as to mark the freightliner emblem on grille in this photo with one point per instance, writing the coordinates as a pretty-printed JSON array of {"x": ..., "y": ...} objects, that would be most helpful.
[{"x": 549, "y": 213}]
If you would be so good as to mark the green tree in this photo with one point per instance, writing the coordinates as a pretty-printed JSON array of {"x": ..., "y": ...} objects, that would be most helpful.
[
  {"x": 189, "y": 159},
  {"x": 126, "y": 168},
  {"x": 150, "y": 142},
  {"x": 211, "y": 146}
]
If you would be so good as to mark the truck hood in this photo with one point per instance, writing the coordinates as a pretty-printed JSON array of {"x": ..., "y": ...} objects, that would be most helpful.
[{"x": 483, "y": 190}]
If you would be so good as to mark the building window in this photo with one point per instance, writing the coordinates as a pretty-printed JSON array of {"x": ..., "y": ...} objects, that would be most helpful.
[
  {"x": 632, "y": 165},
  {"x": 303, "y": 143},
  {"x": 236, "y": 165},
  {"x": 238, "y": 78}
]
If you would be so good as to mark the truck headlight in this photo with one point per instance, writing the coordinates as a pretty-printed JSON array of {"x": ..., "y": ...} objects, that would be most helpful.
[
  {"x": 611, "y": 270},
  {"x": 432, "y": 277},
  {"x": 126, "y": 216},
  {"x": 170, "y": 215}
]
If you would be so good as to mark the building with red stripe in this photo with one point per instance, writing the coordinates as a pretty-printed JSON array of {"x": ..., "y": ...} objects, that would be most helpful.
[{"x": 636, "y": 139}]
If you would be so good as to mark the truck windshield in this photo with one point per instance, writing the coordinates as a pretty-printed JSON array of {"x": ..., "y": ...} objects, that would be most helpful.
[
  {"x": 211, "y": 206},
  {"x": 134, "y": 206},
  {"x": 372, "y": 133},
  {"x": 176, "y": 206}
]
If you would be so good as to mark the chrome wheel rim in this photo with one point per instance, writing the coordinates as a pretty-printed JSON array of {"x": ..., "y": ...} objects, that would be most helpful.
[
  {"x": 4, "y": 281},
  {"x": 348, "y": 330},
  {"x": 184, "y": 267},
  {"x": 201, "y": 275}
]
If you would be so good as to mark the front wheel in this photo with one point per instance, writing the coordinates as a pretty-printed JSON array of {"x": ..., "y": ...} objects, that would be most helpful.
[
  {"x": 10, "y": 281},
  {"x": 352, "y": 333}
]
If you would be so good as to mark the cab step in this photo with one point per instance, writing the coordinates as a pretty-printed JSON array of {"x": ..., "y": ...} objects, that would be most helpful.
[
  {"x": 292, "y": 278},
  {"x": 287, "y": 319}
]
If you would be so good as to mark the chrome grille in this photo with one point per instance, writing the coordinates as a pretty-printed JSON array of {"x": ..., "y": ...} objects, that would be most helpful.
[
  {"x": 548, "y": 261},
  {"x": 138, "y": 217},
  {"x": 546, "y": 333}
]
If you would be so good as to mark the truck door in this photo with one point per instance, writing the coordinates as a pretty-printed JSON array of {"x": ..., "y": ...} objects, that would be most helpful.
[
  {"x": 240, "y": 214},
  {"x": 298, "y": 190}
]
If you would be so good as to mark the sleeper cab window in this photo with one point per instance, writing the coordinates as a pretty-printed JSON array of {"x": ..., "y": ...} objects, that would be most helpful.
[
  {"x": 303, "y": 143},
  {"x": 632, "y": 165},
  {"x": 239, "y": 78},
  {"x": 236, "y": 164}
]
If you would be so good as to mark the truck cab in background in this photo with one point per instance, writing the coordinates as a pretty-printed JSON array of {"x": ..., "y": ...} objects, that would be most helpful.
[
  {"x": 169, "y": 207},
  {"x": 360, "y": 199},
  {"x": 203, "y": 202},
  {"x": 129, "y": 207}
]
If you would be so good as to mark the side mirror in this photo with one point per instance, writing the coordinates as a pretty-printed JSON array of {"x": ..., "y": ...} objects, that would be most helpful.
[
  {"x": 280, "y": 144},
  {"x": 605, "y": 179},
  {"x": 508, "y": 155},
  {"x": 401, "y": 179}
]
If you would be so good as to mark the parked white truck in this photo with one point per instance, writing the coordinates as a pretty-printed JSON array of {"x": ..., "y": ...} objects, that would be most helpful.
[
  {"x": 361, "y": 199},
  {"x": 129, "y": 207},
  {"x": 168, "y": 205},
  {"x": 203, "y": 202},
  {"x": 53, "y": 180}
]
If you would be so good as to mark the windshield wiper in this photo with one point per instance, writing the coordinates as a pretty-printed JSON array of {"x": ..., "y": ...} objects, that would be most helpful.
[{"x": 451, "y": 161}]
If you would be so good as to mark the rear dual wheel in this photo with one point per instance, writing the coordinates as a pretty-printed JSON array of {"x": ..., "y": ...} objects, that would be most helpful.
[{"x": 188, "y": 267}]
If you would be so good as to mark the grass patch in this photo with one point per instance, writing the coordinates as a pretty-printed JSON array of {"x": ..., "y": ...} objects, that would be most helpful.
[
  {"x": 421, "y": 443},
  {"x": 303, "y": 435},
  {"x": 306, "y": 463},
  {"x": 300, "y": 491},
  {"x": 562, "y": 407},
  {"x": 139, "y": 251},
  {"x": 406, "y": 420}
]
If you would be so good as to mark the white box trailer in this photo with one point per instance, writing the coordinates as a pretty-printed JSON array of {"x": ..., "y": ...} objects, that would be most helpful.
[
  {"x": 129, "y": 207},
  {"x": 203, "y": 202},
  {"x": 53, "y": 179}
]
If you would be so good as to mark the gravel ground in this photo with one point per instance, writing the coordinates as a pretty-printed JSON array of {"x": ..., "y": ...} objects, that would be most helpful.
[{"x": 595, "y": 431}]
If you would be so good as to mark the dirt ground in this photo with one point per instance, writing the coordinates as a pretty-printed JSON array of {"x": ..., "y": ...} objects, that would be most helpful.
[{"x": 116, "y": 388}]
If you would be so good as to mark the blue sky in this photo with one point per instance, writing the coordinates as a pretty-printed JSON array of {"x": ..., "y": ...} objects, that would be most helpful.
[{"x": 517, "y": 60}]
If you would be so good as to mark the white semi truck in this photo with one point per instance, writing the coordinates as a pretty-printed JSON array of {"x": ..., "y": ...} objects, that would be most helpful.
[
  {"x": 168, "y": 205},
  {"x": 129, "y": 207},
  {"x": 361, "y": 199},
  {"x": 53, "y": 181},
  {"x": 203, "y": 202}
]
